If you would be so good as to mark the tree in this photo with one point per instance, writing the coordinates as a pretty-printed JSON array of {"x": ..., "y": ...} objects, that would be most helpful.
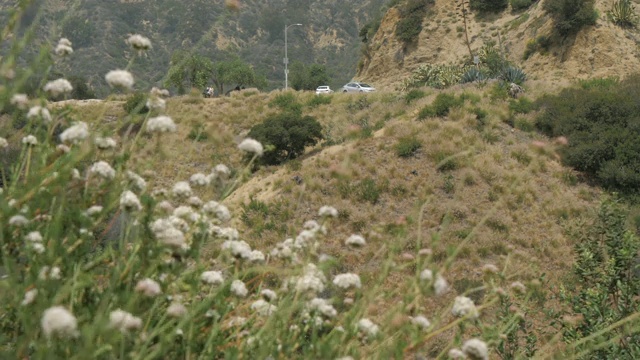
[
  {"x": 191, "y": 69},
  {"x": 571, "y": 15},
  {"x": 235, "y": 72},
  {"x": 308, "y": 78},
  {"x": 286, "y": 134}
]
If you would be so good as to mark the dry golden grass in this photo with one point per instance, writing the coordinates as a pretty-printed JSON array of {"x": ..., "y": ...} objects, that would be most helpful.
[{"x": 496, "y": 190}]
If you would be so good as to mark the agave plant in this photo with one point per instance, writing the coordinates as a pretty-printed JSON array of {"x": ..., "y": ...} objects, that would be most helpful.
[
  {"x": 623, "y": 13},
  {"x": 472, "y": 75},
  {"x": 511, "y": 74}
]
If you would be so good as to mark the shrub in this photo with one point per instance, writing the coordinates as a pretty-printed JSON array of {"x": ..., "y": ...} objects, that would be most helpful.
[
  {"x": 605, "y": 286},
  {"x": 368, "y": 190},
  {"x": 414, "y": 94},
  {"x": 488, "y": 5},
  {"x": 287, "y": 134},
  {"x": 601, "y": 124},
  {"x": 286, "y": 101},
  {"x": 599, "y": 83},
  {"x": 319, "y": 100},
  {"x": 198, "y": 133},
  {"x": 440, "y": 106},
  {"x": 410, "y": 24},
  {"x": 407, "y": 146},
  {"x": 136, "y": 104},
  {"x": 517, "y": 5},
  {"x": 623, "y": 14},
  {"x": 571, "y": 15},
  {"x": 521, "y": 106}
]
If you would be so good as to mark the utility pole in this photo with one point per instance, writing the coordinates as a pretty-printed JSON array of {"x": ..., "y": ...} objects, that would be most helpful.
[{"x": 286, "y": 59}]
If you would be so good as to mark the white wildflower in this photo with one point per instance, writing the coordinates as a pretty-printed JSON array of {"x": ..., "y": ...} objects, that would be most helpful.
[
  {"x": 199, "y": 179},
  {"x": 58, "y": 87},
  {"x": 490, "y": 269},
  {"x": 165, "y": 206},
  {"x": 94, "y": 210},
  {"x": 263, "y": 308},
  {"x": 39, "y": 112},
  {"x": 18, "y": 220},
  {"x": 239, "y": 249},
  {"x": 368, "y": 327},
  {"x": 64, "y": 47},
  {"x": 63, "y": 149},
  {"x": 119, "y": 78},
  {"x": 139, "y": 42},
  {"x": 456, "y": 354},
  {"x": 252, "y": 146},
  {"x": 440, "y": 285},
  {"x": 129, "y": 201},
  {"x": 20, "y": 101},
  {"x": 222, "y": 170},
  {"x": 269, "y": 295},
  {"x": 323, "y": 307},
  {"x": 355, "y": 241},
  {"x": 29, "y": 297},
  {"x": 33, "y": 236},
  {"x": 237, "y": 321},
  {"x": 105, "y": 143},
  {"x": 156, "y": 103},
  {"x": 159, "y": 92},
  {"x": 347, "y": 280},
  {"x": 476, "y": 349},
  {"x": 328, "y": 211},
  {"x": 148, "y": 287},
  {"x": 195, "y": 201},
  {"x": 463, "y": 306},
  {"x": 181, "y": 189},
  {"x": 30, "y": 140},
  {"x": 137, "y": 180},
  {"x": 256, "y": 256},
  {"x": 103, "y": 169},
  {"x": 161, "y": 124},
  {"x": 3, "y": 143},
  {"x": 238, "y": 288},
  {"x": 220, "y": 211},
  {"x": 47, "y": 272},
  {"x": 518, "y": 287},
  {"x": 304, "y": 239},
  {"x": 212, "y": 277},
  {"x": 176, "y": 310},
  {"x": 421, "y": 321},
  {"x": 187, "y": 213},
  {"x": 124, "y": 321},
  {"x": 58, "y": 321},
  {"x": 75, "y": 133},
  {"x": 38, "y": 248},
  {"x": 312, "y": 281}
]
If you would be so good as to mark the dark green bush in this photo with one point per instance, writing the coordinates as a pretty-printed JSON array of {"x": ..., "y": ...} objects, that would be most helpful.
[
  {"x": 571, "y": 15},
  {"x": 521, "y": 106},
  {"x": 517, "y": 5},
  {"x": 136, "y": 104},
  {"x": 288, "y": 133},
  {"x": 319, "y": 100},
  {"x": 414, "y": 94},
  {"x": 286, "y": 101},
  {"x": 440, "y": 106},
  {"x": 488, "y": 5},
  {"x": 410, "y": 24},
  {"x": 407, "y": 146},
  {"x": 602, "y": 126},
  {"x": 599, "y": 83}
]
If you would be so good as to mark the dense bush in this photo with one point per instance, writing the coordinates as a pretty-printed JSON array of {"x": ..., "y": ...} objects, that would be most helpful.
[
  {"x": 136, "y": 104},
  {"x": 440, "y": 106},
  {"x": 606, "y": 285},
  {"x": 286, "y": 101},
  {"x": 288, "y": 133},
  {"x": 601, "y": 124},
  {"x": 413, "y": 95},
  {"x": 488, "y": 5},
  {"x": 571, "y": 15},
  {"x": 517, "y": 5},
  {"x": 410, "y": 24},
  {"x": 407, "y": 146},
  {"x": 319, "y": 100}
]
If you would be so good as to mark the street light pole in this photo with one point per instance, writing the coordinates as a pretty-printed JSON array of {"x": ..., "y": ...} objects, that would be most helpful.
[{"x": 286, "y": 59}]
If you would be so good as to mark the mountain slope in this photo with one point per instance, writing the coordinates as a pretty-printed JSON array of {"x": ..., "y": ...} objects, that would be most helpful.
[{"x": 598, "y": 51}]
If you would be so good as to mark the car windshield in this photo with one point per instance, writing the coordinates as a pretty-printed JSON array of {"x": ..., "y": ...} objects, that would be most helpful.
[
  {"x": 365, "y": 85},
  {"x": 323, "y": 87}
]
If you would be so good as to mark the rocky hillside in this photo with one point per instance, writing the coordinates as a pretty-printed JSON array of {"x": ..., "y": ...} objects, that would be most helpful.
[
  {"x": 253, "y": 29},
  {"x": 596, "y": 51}
]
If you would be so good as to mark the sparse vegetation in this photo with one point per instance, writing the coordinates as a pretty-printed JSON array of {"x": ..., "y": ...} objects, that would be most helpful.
[
  {"x": 410, "y": 24},
  {"x": 407, "y": 146},
  {"x": 440, "y": 106}
]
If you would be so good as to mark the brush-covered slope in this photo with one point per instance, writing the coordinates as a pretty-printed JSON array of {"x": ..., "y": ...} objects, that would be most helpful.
[
  {"x": 496, "y": 194},
  {"x": 596, "y": 51}
]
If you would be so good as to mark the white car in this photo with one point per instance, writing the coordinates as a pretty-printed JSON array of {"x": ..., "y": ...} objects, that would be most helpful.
[
  {"x": 323, "y": 90},
  {"x": 358, "y": 87}
]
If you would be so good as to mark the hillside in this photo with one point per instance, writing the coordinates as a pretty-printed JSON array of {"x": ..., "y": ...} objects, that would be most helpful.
[
  {"x": 596, "y": 51},
  {"x": 254, "y": 30}
]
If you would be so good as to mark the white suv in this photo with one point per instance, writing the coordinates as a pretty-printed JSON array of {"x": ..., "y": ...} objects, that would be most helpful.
[
  {"x": 358, "y": 87},
  {"x": 323, "y": 90}
]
